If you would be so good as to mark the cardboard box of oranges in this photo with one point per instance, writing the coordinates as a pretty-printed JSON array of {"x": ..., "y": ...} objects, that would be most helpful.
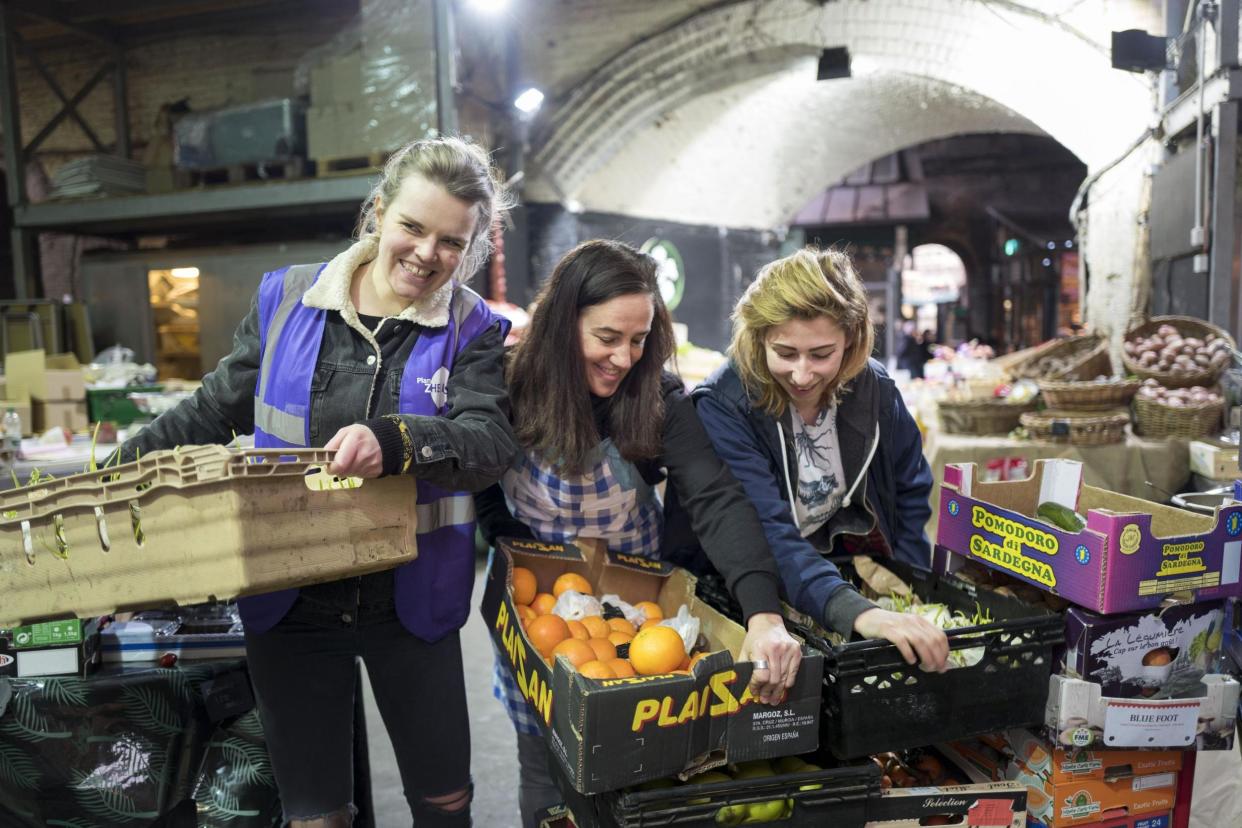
[{"x": 617, "y": 721}]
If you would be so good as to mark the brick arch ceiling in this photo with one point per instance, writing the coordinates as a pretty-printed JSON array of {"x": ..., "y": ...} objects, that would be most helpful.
[{"x": 718, "y": 119}]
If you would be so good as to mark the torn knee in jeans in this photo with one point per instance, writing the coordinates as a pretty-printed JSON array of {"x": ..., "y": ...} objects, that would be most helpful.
[
  {"x": 450, "y": 803},
  {"x": 343, "y": 818}
]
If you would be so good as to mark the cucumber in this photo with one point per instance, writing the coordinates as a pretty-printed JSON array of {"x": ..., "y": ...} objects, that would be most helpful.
[{"x": 1060, "y": 517}]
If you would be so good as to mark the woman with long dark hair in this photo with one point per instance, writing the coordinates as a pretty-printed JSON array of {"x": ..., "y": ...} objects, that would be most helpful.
[{"x": 600, "y": 424}]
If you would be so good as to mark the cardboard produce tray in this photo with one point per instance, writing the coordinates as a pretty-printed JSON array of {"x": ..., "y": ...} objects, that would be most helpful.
[
  {"x": 193, "y": 525},
  {"x": 613, "y": 733}
]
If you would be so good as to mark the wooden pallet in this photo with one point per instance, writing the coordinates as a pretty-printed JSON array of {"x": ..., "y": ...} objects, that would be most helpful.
[
  {"x": 282, "y": 169},
  {"x": 362, "y": 164}
]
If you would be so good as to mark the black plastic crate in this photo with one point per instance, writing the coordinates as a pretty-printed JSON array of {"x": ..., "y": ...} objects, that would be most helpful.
[
  {"x": 875, "y": 702},
  {"x": 838, "y": 796}
]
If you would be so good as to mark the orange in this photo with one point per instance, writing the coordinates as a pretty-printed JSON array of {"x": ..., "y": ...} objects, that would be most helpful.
[
  {"x": 603, "y": 648},
  {"x": 526, "y": 614},
  {"x": 576, "y": 651},
  {"x": 650, "y": 622},
  {"x": 546, "y": 631},
  {"x": 685, "y": 664},
  {"x": 578, "y": 631},
  {"x": 524, "y": 588},
  {"x": 596, "y": 626},
  {"x": 651, "y": 610},
  {"x": 696, "y": 658},
  {"x": 574, "y": 581},
  {"x": 621, "y": 625},
  {"x": 621, "y": 668},
  {"x": 543, "y": 603},
  {"x": 657, "y": 650},
  {"x": 619, "y": 638},
  {"x": 596, "y": 670}
]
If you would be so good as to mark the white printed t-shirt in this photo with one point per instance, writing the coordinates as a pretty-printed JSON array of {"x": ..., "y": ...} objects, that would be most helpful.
[{"x": 821, "y": 476}]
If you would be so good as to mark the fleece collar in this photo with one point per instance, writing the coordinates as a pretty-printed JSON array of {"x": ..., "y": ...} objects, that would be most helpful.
[{"x": 331, "y": 291}]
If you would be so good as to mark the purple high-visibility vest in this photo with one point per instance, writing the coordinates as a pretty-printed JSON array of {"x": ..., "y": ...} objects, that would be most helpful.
[{"x": 432, "y": 592}]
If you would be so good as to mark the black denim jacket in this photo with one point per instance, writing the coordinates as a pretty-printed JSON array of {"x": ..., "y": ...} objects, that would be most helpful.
[{"x": 468, "y": 449}]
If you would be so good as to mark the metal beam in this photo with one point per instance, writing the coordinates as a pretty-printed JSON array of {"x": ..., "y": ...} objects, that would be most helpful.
[
  {"x": 145, "y": 213},
  {"x": 26, "y": 281},
  {"x": 25, "y": 263},
  {"x": 1227, "y": 33},
  {"x": 14, "y": 159},
  {"x": 120, "y": 102},
  {"x": 1225, "y": 85},
  {"x": 446, "y": 72},
  {"x": 47, "y": 10},
  {"x": 1222, "y": 266},
  {"x": 69, "y": 108}
]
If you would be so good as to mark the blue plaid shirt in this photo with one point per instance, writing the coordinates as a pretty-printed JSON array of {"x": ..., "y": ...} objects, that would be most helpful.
[{"x": 611, "y": 501}]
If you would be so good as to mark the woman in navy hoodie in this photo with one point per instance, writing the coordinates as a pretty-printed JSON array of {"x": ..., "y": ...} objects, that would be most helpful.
[{"x": 821, "y": 441}]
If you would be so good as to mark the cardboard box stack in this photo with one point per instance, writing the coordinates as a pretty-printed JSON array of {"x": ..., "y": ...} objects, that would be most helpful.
[
  {"x": 378, "y": 93},
  {"x": 1143, "y": 678},
  {"x": 334, "y": 119},
  {"x": 52, "y": 386},
  {"x": 1077, "y": 787}
]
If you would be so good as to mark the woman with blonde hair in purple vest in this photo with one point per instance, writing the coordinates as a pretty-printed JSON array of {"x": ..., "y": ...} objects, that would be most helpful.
[{"x": 385, "y": 356}]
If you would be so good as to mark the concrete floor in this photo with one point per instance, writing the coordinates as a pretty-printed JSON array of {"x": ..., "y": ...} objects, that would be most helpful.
[{"x": 492, "y": 743}]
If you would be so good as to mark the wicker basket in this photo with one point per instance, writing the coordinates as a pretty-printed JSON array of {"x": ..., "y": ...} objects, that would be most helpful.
[
  {"x": 1155, "y": 419},
  {"x": 982, "y": 416},
  {"x": 1092, "y": 395},
  {"x": 1075, "y": 428},
  {"x": 1073, "y": 358},
  {"x": 1186, "y": 326}
]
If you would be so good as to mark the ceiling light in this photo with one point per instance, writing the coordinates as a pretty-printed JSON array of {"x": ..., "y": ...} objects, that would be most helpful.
[
  {"x": 489, "y": 6},
  {"x": 529, "y": 101}
]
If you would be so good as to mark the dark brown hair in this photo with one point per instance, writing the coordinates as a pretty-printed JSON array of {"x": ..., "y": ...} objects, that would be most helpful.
[{"x": 547, "y": 376}]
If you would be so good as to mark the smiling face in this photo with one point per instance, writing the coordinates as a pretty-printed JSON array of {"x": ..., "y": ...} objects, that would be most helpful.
[
  {"x": 612, "y": 335},
  {"x": 424, "y": 234},
  {"x": 804, "y": 357}
]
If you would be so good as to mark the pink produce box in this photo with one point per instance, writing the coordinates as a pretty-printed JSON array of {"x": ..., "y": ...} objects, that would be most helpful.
[{"x": 1132, "y": 554}]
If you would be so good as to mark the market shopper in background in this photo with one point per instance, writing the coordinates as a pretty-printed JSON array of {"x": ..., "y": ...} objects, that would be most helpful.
[
  {"x": 821, "y": 441},
  {"x": 383, "y": 355},
  {"x": 914, "y": 350},
  {"x": 601, "y": 423}
]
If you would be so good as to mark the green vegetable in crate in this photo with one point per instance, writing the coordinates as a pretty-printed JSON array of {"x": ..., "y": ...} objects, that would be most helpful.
[{"x": 1060, "y": 517}]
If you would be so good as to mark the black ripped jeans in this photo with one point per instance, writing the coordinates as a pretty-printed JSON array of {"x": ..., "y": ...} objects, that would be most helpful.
[{"x": 304, "y": 675}]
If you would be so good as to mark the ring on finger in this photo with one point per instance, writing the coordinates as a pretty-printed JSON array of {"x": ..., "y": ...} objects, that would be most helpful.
[{"x": 761, "y": 663}]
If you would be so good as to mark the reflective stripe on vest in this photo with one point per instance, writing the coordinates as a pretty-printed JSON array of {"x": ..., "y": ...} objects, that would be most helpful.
[
  {"x": 289, "y": 428},
  {"x": 452, "y": 510}
]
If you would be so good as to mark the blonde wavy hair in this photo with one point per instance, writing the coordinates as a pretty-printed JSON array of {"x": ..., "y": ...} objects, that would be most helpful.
[
  {"x": 805, "y": 285},
  {"x": 464, "y": 170}
]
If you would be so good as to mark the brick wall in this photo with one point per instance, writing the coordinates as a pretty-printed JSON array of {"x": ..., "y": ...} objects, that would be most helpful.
[{"x": 209, "y": 70}]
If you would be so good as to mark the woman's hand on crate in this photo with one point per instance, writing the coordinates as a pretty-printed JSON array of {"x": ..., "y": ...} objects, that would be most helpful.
[
  {"x": 768, "y": 640},
  {"x": 358, "y": 453},
  {"x": 919, "y": 641}
]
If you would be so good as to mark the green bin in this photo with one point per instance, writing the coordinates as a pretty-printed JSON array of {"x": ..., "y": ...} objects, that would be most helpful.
[{"x": 113, "y": 405}]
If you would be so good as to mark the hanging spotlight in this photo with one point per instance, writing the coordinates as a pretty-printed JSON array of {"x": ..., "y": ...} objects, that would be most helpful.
[{"x": 834, "y": 63}]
